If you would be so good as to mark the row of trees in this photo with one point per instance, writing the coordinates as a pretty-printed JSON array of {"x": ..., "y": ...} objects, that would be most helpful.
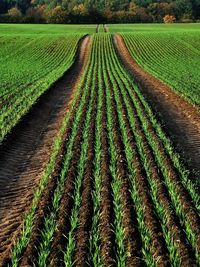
[{"x": 98, "y": 11}]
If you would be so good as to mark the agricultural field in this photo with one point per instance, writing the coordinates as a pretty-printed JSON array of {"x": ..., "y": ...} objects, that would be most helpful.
[
  {"x": 132, "y": 28},
  {"x": 90, "y": 176},
  {"x": 171, "y": 53},
  {"x": 31, "y": 29},
  {"x": 50, "y": 57},
  {"x": 44, "y": 56}
]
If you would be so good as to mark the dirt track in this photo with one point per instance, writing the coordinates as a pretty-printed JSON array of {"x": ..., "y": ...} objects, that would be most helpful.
[
  {"x": 181, "y": 120},
  {"x": 26, "y": 151}
]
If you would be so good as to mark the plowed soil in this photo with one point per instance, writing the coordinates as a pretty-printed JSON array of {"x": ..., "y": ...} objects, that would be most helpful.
[
  {"x": 121, "y": 200},
  {"x": 180, "y": 119},
  {"x": 25, "y": 153}
]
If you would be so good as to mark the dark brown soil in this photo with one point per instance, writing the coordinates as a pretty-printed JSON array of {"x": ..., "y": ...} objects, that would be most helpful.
[
  {"x": 25, "y": 153},
  {"x": 173, "y": 223},
  {"x": 158, "y": 246},
  {"x": 181, "y": 120},
  {"x": 107, "y": 236},
  {"x": 30, "y": 254},
  {"x": 132, "y": 239},
  {"x": 59, "y": 244},
  {"x": 86, "y": 211},
  {"x": 188, "y": 206}
]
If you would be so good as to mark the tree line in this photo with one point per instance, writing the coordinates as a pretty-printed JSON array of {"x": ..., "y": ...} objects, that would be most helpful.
[{"x": 99, "y": 11}]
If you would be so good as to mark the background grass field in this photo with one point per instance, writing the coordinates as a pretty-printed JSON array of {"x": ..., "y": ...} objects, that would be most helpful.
[
  {"x": 170, "y": 52},
  {"x": 114, "y": 28}
]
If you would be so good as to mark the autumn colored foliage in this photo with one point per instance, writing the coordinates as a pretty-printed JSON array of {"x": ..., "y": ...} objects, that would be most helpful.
[{"x": 169, "y": 19}]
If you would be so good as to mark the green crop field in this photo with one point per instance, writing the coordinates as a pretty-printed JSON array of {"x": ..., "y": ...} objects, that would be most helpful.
[
  {"x": 25, "y": 76},
  {"x": 132, "y": 28},
  {"x": 113, "y": 190},
  {"x": 29, "y": 29},
  {"x": 31, "y": 60},
  {"x": 169, "y": 52}
]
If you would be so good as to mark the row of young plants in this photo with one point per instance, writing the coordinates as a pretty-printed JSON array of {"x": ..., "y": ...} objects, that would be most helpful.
[
  {"x": 167, "y": 158},
  {"x": 178, "y": 186},
  {"x": 69, "y": 130},
  {"x": 122, "y": 196},
  {"x": 71, "y": 160},
  {"x": 169, "y": 58},
  {"x": 191, "y": 39},
  {"x": 102, "y": 233},
  {"x": 39, "y": 68},
  {"x": 40, "y": 50},
  {"x": 50, "y": 221},
  {"x": 148, "y": 254},
  {"x": 11, "y": 47},
  {"x": 135, "y": 175},
  {"x": 94, "y": 238}
]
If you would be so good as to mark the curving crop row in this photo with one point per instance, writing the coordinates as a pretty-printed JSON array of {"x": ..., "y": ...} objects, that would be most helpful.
[
  {"x": 170, "y": 57},
  {"x": 120, "y": 196},
  {"x": 191, "y": 230},
  {"x": 48, "y": 60},
  {"x": 175, "y": 162},
  {"x": 69, "y": 129}
]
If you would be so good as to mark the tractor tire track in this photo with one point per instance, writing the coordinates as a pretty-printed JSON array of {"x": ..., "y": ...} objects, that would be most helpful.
[
  {"x": 181, "y": 119},
  {"x": 173, "y": 224},
  {"x": 25, "y": 153}
]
